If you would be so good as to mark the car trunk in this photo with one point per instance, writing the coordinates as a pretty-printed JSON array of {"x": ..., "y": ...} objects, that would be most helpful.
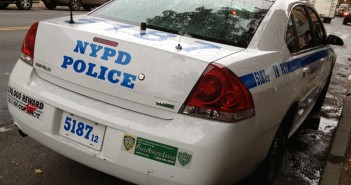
[{"x": 117, "y": 64}]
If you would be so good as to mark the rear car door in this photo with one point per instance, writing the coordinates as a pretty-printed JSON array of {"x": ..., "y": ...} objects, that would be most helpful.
[{"x": 305, "y": 42}]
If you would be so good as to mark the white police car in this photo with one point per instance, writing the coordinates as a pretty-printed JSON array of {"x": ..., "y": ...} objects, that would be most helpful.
[{"x": 172, "y": 91}]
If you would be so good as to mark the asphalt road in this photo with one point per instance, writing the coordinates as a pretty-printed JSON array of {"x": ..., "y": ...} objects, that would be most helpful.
[{"x": 24, "y": 161}]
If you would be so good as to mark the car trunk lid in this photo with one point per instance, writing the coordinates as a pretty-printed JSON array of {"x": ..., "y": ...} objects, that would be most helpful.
[{"x": 117, "y": 63}]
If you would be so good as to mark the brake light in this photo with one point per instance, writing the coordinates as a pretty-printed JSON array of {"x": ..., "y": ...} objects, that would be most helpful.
[
  {"x": 27, "y": 54},
  {"x": 219, "y": 95}
]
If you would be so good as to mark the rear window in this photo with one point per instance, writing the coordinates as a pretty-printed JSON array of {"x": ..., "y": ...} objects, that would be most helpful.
[{"x": 232, "y": 22}]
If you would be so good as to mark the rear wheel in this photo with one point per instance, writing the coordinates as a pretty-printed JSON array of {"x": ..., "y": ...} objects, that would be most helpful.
[
  {"x": 273, "y": 161},
  {"x": 75, "y": 5},
  {"x": 50, "y": 6},
  {"x": 24, "y": 4},
  {"x": 326, "y": 20},
  {"x": 3, "y": 5}
]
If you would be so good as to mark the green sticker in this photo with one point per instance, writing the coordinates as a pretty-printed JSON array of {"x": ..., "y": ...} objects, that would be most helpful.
[
  {"x": 184, "y": 158},
  {"x": 156, "y": 151}
]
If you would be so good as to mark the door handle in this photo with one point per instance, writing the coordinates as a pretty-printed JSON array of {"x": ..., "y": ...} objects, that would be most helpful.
[{"x": 306, "y": 71}]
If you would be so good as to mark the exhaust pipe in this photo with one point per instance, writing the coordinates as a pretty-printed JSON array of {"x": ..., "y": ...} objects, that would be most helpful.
[{"x": 21, "y": 132}]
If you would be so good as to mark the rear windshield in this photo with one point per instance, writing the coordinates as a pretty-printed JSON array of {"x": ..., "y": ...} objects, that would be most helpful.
[{"x": 232, "y": 22}]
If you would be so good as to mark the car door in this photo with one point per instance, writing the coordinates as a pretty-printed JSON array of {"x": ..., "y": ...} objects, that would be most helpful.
[
  {"x": 307, "y": 55},
  {"x": 325, "y": 58}
]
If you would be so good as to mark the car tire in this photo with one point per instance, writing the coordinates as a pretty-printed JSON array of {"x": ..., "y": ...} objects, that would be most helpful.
[
  {"x": 320, "y": 100},
  {"x": 326, "y": 20},
  {"x": 3, "y": 5},
  {"x": 75, "y": 4},
  {"x": 271, "y": 165},
  {"x": 87, "y": 7},
  {"x": 50, "y": 6},
  {"x": 24, "y": 4},
  {"x": 344, "y": 21}
]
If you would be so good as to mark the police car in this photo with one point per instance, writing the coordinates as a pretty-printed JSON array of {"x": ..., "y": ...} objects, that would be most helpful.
[{"x": 171, "y": 91}]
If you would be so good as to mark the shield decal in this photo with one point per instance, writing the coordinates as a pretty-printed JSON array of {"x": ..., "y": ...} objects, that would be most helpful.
[
  {"x": 184, "y": 158},
  {"x": 128, "y": 142}
]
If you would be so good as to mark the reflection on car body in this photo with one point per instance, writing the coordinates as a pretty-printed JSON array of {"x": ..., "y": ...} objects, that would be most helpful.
[{"x": 174, "y": 92}]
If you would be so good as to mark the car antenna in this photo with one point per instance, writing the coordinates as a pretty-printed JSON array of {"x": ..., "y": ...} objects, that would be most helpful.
[
  {"x": 142, "y": 28},
  {"x": 71, "y": 21},
  {"x": 179, "y": 47}
]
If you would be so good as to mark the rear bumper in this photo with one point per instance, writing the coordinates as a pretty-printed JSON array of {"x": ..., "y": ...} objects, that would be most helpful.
[{"x": 222, "y": 153}]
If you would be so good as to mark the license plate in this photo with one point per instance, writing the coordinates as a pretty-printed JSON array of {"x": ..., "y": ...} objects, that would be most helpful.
[{"x": 82, "y": 130}]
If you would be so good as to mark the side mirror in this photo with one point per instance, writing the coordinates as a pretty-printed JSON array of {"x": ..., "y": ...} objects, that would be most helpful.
[{"x": 335, "y": 40}]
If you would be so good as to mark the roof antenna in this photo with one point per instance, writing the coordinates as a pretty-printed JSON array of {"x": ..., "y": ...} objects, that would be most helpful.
[
  {"x": 179, "y": 47},
  {"x": 71, "y": 21},
  {"x": 142, "y": 28}
]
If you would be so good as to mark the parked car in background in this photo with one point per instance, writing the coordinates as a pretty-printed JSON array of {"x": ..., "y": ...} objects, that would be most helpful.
[
  {"x": 347, "y": 17},
  {"x": 342, "y": 8},
  {"x": 21, "y": 4},
  {"x": 73, "y": 4}
]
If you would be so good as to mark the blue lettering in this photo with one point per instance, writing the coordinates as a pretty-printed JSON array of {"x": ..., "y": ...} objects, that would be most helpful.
[
  {"x": 110, "y": 76},
  {"x": 108, "y": 53},
  {"x": 94, "y": 49},
  {"x": 88, "y": 21},
  {"x": 80, "y": 47},
  {"x": 257, "y": 78},
  {"x": 127, "y": 80},
  {"x": 155, "y": 36},
  {"x": 118, "y": 27},
  {"x": 123, "y": 58},
  {"x": 276, "y": 71},
  {"x": 201, "y": 45},
  {"x": 66, "y": 61},
  {"x": 79, "y": 66},
  {"x": 284, "y": 68},
  {"x": 91, "y": 69},
  {"x": 102, "y": 72},
  {"x": 261, "y": 77}
]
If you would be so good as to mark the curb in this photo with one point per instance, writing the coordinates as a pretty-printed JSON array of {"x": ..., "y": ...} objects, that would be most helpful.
[{"x": 336, "y": 156}]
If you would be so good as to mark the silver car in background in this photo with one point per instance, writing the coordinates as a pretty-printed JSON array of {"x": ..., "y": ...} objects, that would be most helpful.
[{"x": 73, "y": 4}]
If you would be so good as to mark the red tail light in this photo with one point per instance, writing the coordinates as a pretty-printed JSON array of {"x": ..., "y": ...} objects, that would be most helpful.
[
  {"x": 28, "y": 44},
  {"x": 219, "y": 95}
]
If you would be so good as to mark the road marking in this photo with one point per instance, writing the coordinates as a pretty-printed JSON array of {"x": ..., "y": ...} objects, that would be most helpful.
[
  {"x": 6, "y": 128},
  {"x": 344, "y": 36},
  {"x": 13, "y": 28}
]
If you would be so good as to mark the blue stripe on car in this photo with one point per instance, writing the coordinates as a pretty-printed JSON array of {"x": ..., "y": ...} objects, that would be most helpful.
[{"x": 293, "y": 65}]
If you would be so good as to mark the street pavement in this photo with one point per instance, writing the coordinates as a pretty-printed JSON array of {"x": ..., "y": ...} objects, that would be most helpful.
[{"x": 340, "y": 144}]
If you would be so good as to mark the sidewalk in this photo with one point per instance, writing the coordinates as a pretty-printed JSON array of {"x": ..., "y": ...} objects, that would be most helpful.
[{"x": 337, "y": 155}]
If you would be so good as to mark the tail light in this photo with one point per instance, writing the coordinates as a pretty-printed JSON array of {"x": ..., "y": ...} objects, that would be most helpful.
[
  {"x": 27, "y": 54},
  {"x": 219, "y": 95}
]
